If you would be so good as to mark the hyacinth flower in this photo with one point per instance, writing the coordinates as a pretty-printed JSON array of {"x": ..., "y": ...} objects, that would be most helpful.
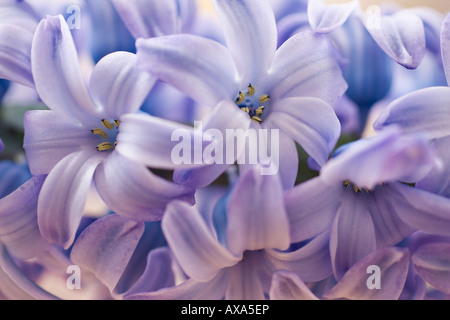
[
  {"x": 288, "y": 89},
  {"x": 361, "y": 198},
  {"x": 371, "y": 43},
  {"x": 427, "y": 111},
  {"x": 393, "y": 264},
  {"x": 235, "y": 259},
  {"x": 76, "y": 142}
]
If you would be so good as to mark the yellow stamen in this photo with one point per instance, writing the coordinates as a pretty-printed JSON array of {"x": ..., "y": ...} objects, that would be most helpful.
[
  {"x": 246, "y": 109},
  {"x": 107, "y": 124},
  {"x": 260, "y": 111},
  {"x": 117, "y": 123},
  {"x": 251, "y": 90},
  {"x": 264, "y": 98},
  {"x": 356, "y": 189},
  {"x": 100, "y": 132},
  {"x": 105, "y": 146},
  {"x": 257, "y": 119},
  {"x": 241, "y": 98}
]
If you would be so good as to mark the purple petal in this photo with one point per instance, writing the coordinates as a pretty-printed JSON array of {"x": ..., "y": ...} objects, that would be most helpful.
[
  {"x": 426, "y": 110},
  {"x": 305, "y": 66},
  {"x": 438, "y": 180},
  {"x": 15, "y": 52},
  {"x": 189, "y": 290},
  {"x": 148, "y": 19},
  {"x": 157, "y": 275},
  {"x": 117, "y": 87},
  {"x": 393, "y": 265},
  {"x": 288, "y": 286},
  {"x": 311, "y": 262},
  {"x": 131, "y": 190},
  {"x": 19, "y": 230},
  {"x": 251, "y": 35},
  {"x": 352, "y": 235},
  {"x": 200, "y": 255},
  {"x": 432, "y": 263},
  {"x": 63, "y": 196},
  {"x": 445, "y": 47},
  {"x": 201, "y": 68},
  {"x": 225, "y": 117},
  {"x": 389, "y": 228},
  {"x": 149, "y": 140},
  {"x": 17, "y": 27},
  {"x": 244, "y": 282},
  {"x": 311, "y": 207},
  {"x": 422, "y": 210},
  {"x": 402, "y": 37},
  {"x": 106, "y": 246},
  {"x": 49, "y": 138},
  {"x": 325, "y": 18},
  {"x": 57, "y": 73},
  {"x": 309, "y": 121},
  {"x": 15, "y": 284},
  {"x": 387, "y": 157},
  {"x": 282, "y": 155},
  {"x": 256, "y": 216}
]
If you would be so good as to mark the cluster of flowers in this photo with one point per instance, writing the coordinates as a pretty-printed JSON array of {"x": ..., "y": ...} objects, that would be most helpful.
[{"x": 361, "y": 104}]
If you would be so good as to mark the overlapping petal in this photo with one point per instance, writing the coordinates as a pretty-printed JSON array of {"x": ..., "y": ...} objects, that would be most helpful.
[
  {"x": 16, "y": 283},
  {"x": 57, "y": 74},
  {"x": 352, "y": 235},
  {"x": 288, "y": 286},
  {"x": 148, "y": 19},
  {"x": 131, "y": 190},
  {"x": 432, "y": 262},
  {"x": 200, "y": 255},
  {"x": 17, "y": 26},
  {"x": 201, "y": 68},
  {"x": 49, "y": 138},
  {"x": 19, "y": 230},
  {"x": 393, "y": 265},
  {"x": 327, "y": 18},
  {"x": 309, "y": 121},
  {"x": 401, "y": 36},
  {"x": 445, "y": 47},
  {"x": 387, "y": 157},
  {"x": 105, "y": 247},
  {"x": 117, "y": 87},
  {"x": 151, "y": 141},
  {"x": 258, "y": 221},
  {"x": 251, "y": 35},
  {"x": 426, "y": 110},
  {"x": 305, "y": 66},
  {"x": 63, "y": 196}
]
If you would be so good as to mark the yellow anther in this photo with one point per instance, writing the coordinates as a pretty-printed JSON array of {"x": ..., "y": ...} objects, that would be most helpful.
[
  {"x": 241, "y": 98},
  {"x": 260, "y": 111},
  {"x": 108, "y": 125},
  {"x": 117, "y": 123},
  {"x": 356, "y": 189},
  {"x": 264, "y": 98},
  {"x": 246, "y": 109},
  {"x": 105, "y": 146},
  {"x": 256, "y": 119},
  {"x": 251, "y": 90},
  {"x": 100, "y": 132}
]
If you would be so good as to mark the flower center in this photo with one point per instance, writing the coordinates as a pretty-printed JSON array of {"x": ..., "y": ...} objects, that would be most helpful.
[
  {"x": 108, "y": 134},
  {"x": 254, "y": 104},
  {"x": 355, "y": 188}
]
